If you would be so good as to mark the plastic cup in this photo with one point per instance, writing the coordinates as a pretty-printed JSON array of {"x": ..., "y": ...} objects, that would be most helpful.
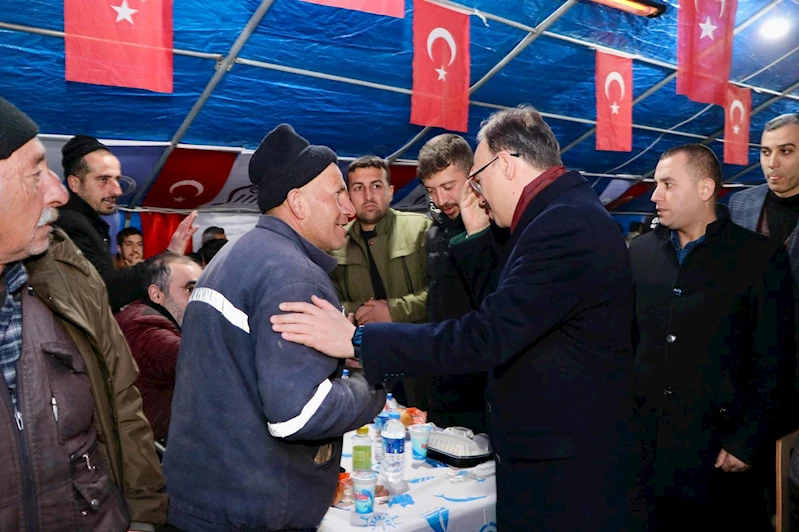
[
  {"x": 364, "y": 484},
  {"x": 420, "y": 434}
]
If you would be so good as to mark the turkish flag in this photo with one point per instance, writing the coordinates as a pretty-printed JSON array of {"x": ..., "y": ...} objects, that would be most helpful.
[
  {"x": 704, "y": 48},
  {"x": 392, "y": 8},
  {"x": 157, "y": 229},
  {"x": 190, "y": 178},
  {"x": 111, "y": 42},
  {"x": 736, "y": 125},
  {"x": 440, "y": 96},
  {"x": 614, "y": 102},
  {"x": 639, "y": 189}
]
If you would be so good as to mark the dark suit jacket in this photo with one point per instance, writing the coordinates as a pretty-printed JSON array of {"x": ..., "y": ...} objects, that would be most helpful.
[
  {"x": 745, "y": 210},
  {"x": 90, "y": 233},
  {"x": 555, "y": 337},
  {"x": 746, "y": 207},
  {"x": 715, "y": 352}
]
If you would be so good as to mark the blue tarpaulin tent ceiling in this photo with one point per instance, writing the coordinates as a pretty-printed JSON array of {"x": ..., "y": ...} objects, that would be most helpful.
[{"x": 343, "y": 78}]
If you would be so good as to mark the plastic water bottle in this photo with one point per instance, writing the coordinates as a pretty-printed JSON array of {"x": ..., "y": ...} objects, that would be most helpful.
[
  {"x": 394, "y": 448},
  {"x": 377, "y": 452},
  {"x": 345, "y": 374},
  {"x": 391, "y": 403}
]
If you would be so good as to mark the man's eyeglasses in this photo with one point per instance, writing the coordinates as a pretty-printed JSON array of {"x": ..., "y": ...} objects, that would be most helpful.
[{"x": 474, "y": 183}]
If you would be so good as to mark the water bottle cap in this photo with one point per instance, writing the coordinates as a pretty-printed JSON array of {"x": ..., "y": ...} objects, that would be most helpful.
[
  {"x": 363, "y": 430},
  {"x": 389, "y": 396},
  {"x": 393, "y": 415},
  {"x": 345, "y": 372}
]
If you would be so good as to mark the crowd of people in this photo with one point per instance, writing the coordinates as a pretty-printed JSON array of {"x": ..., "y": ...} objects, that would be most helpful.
[{"x": 621, "y": 389}]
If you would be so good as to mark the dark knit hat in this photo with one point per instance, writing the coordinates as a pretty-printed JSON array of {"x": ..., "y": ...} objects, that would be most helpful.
[
  {"x": 76, "y": 148},
  {"x": 285, "y": 161},
  {"x": 16, "y": 129}
]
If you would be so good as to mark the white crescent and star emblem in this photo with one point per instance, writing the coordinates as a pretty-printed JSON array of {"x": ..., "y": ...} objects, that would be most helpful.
[
  {"x": 707, "y": 26},
  {"x": 736, "y": 104},
  {"x": 441, "y": 33},
  {"x": 609, "y": 79},
  {"x": 124, "y": 12},
  {"x": 721, "y": 12},
  {"x": 186, "y": 183}
]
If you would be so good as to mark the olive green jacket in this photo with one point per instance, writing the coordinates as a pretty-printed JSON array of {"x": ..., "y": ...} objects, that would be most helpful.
[
  {"x": 70, "y": 286},
  {"x": 398, "y": 250}
]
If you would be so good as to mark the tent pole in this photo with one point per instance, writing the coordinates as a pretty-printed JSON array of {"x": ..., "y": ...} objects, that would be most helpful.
[
  {"x": 527, "y": 41},
  {"x": 221, "y": 69}
]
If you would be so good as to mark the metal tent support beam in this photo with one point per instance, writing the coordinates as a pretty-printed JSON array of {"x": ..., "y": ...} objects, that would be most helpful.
[
  {"x": 221, "y": 69},
  {"x": 763, "y": 106},
  {"x": 748, "y": 22},
  {"x": 531, "y": 36},
  {"x": 61, "y": 34},
  {"x": 484, "y": 16}
]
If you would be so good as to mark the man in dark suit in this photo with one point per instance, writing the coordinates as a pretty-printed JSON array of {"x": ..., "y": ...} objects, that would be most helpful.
[
  {"x": 554, "y": 337},
  {"x": 772, "y": 209},
  {"x": 715, "y": 351}
]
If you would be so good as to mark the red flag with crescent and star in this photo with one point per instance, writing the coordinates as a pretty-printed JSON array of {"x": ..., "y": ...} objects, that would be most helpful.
[
  {"x": 391, "y": 8},
  {"x": 614, "y": 102},
  {"x": 190, "y": 178},
  {"x": 704, "y": 48},
  {"x": 440, "y": 96},
  {"x": 122, "y": 43},
  {"x": 736, "y": 125}
]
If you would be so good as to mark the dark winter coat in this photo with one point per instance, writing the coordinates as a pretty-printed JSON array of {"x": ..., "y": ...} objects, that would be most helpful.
[
  {"x": 555, "y": 336},
  {"x": 714, "y": 353},
  {"x": 90, "y": 233},
  {"x": 154, "y": 340}
]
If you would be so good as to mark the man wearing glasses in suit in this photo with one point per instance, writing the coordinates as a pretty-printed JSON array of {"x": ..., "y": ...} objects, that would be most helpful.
[{"x": 554, "y": 337}]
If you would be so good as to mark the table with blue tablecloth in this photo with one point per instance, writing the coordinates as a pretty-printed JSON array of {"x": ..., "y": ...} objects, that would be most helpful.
[{"x": 439, "y": 499}]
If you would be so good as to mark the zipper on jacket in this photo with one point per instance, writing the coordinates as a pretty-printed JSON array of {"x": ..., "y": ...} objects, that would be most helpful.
[
  {"x": 29, "y": 505},
  {"x": 407, "y": 276}
]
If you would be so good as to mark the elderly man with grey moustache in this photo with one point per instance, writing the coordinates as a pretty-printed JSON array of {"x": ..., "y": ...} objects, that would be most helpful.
[{"x": 78, "y": 453}]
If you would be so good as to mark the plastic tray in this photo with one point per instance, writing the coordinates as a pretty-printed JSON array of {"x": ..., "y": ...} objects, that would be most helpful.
[{"x": 458, "y": 447}]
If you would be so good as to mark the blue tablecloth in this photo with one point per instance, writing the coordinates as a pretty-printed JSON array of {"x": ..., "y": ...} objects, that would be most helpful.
[{"x": 439, "y": 499}]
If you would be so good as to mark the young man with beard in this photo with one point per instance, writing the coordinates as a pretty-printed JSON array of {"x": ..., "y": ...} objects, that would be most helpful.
[
  {"x": 381, "y": 274},
  {"x": 256, "y": 432},
  {"x": 382, "y": 271},
  {"x": 463, "y": 262},
  {"x": 92, "y": 175},
  {"x": 152, "y": 327},
  {"x": 130, "y": 248}
]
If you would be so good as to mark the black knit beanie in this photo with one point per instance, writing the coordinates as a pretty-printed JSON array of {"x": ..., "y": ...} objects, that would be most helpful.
[
  {"x": 16, "y": 129},
  {"x": 285, "y": 161},
  {"x": 77, "y": 147}
]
